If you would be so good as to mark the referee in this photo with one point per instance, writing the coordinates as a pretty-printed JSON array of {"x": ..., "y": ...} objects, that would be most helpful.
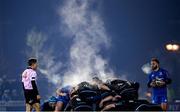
[{"x": 31, "y": 93}]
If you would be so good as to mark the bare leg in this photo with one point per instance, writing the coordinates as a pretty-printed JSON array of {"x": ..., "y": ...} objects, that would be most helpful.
[
  {"x": 110, "y": 106},
  {"x": 36, "y": 106},
  {"x": 104, "y": 100},
  {"x": 117, "y": 97},
  {"x": 28, "y": 107},
  {"x": 59, "y": 106},
  {"x": 164, "y": 106}
]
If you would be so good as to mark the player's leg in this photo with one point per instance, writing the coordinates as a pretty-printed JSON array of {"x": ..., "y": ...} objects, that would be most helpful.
[
  {"x": 108, "y": 98},
  {"x": 28, "y": 99},
  {"x": 36, "y": 106},
  {"x": 108, "y": 107},
  {"x": 164, "y": 104},
  {"x": 28, "y": 107},
  {"x": 59, "y": 106},
  {"x": 155, "y": 100}
]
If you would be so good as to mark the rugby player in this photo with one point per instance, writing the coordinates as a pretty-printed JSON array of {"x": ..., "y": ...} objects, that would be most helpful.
[{"x": 158, "y": 81}]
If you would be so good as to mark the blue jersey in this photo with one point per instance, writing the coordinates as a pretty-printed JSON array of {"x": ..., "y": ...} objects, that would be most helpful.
[
  {"x": 66, "y": 89},
  {"x": 64, "y": 99},
  {"x": 161, "y": 74}
]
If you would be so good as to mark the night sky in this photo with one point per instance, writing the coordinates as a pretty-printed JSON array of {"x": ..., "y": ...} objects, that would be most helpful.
[{"x": 138, "y": 30}]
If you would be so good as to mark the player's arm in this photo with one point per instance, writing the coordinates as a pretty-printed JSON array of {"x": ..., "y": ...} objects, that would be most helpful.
[
  {"x": 167, "y": 79},
  {"x": 103, "y": 87},
  {"x": 23, "y": 82},
  {"x": 60, "y": 93},
  {"x": 151, "y": 82},
  {"x": 33, "y": 82},
  {"x": 24, "y": 75},
  {"x": 149, "y": 85},
  {"x": 23, "y": 86}
]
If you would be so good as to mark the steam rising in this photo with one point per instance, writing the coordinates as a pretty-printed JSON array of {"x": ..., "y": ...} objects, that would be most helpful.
[
  {"x": 146, "y": 68},
  {"x": 89, "y": 37},
  {"x": 84, "y": 26},
  {"x": 36, "y": 40}
]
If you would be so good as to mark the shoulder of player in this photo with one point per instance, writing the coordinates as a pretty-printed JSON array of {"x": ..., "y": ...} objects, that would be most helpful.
[
  {"x": 30, "y": 71},
  {"x": 150, "y": 74},
  {"x": 163, "y": 70},
  {"x": 25, "y": 71}
]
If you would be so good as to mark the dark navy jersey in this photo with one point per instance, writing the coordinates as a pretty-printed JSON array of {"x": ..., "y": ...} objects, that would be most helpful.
[{"x": 163, "y": 75}]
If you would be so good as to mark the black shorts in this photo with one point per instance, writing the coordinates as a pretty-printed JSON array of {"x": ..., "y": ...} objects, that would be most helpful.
[{"x": 30, "y": 97}]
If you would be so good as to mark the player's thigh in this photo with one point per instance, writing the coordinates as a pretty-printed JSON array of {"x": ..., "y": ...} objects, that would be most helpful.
[
  {"x": 36, "y": 106},
  {"x": 108, "y": 107},
  {"x": 164, "y": 99},
  {"x": 164, "y": 102},
  {"x": 156, "y": 100},
  {"x": 59, "y": 106}
]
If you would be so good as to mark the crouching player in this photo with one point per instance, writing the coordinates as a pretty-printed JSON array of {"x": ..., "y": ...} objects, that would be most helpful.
[{"x": 63, "y": 97}]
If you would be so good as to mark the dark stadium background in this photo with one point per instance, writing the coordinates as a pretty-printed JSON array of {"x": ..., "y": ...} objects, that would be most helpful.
[{"x": 138, "y": 30}]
